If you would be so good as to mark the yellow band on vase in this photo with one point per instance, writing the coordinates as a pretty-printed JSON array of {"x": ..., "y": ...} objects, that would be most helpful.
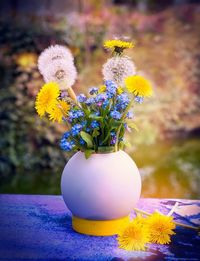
[{"x": 99, "y": 227}]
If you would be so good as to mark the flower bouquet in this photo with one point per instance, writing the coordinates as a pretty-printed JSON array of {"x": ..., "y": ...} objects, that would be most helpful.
[
  {"x": 100, "y": 183},
  {"x": 96, "y": 123}
]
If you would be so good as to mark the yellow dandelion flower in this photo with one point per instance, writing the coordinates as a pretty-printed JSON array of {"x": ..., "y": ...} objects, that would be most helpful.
[
  {"x": 58, "y": 111},
  {"x": 133, "y": 237},
  {"x": 117, "y": 45},
  {"x": 119, "y": 90},
  {"x": 47, "y": 98},
  {"x": 160, "y": 228},
  {"x": 64, "y": 106},
  {"x": 26, "y": 59},
  {"x": 139, "y": 86},
  {"x": 102, "y": 88}
]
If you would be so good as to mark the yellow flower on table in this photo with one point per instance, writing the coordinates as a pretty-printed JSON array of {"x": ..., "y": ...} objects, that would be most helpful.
[
  {"x": 160, "y": 228},
  {"x": 47, "y": 98},
  {"x": 117, "y": 44},
  {"x": 134, "y": 236},
  {"x": 138, "y": 85},
  {"x": 58, "y": 111}
]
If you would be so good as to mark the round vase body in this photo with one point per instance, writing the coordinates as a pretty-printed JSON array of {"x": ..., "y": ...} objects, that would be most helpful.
[{"x": 103, "y": 187}]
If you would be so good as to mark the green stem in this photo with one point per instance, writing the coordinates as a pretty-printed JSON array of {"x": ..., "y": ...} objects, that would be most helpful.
[
  {"x": 102, "y": 125},
  {"x": 119, "y": 128},
  {"x": 107, "y": 136}
]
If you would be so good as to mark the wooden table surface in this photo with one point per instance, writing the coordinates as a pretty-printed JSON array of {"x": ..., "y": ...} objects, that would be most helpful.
[{"x": 35, "y": 227}]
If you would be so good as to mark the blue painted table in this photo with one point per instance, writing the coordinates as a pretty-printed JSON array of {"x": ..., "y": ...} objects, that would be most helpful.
[{"x": 39, "y": 228}]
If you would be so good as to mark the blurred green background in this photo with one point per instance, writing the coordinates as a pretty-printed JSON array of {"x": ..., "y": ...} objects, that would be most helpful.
[{"x": 166, "y": 34}]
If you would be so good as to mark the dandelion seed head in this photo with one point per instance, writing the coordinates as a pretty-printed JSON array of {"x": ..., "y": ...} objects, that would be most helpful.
[
  {"x": 117, "y": 69},
  {"x": 61, "y": 71},
  {"x": 53, "y": 53}
]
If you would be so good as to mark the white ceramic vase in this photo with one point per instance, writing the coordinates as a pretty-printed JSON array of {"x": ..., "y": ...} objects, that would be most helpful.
[{"x": 105, "y": 187}]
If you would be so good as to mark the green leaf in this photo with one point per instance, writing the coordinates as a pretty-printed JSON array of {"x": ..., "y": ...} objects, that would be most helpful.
[
  {"x": 106, "y": 138},
  {"x": 126, "y": 143},
  {"x": 121, "y": 145},
  {"x": 88, "y": 153},
  {"x": 87, "y": 138},
  {"x": 106, "y": 149},
  {"x": 117, "y": 123},
  {"x": 132, "y": 125},
  {"x": 95, "y": 117},
  {"x": 87, "y": 111},
  {"x": 95, "y": 133}
]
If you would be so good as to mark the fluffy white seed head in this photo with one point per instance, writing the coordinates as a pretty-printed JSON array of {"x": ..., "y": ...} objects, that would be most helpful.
[
  {"x": 51, "y": 54},
  {"x": 61, "y": 71},
  {"x": 118, "y": 68}
]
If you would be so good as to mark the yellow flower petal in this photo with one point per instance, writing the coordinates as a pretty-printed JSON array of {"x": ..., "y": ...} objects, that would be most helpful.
[
  {"x": 133, "y": 237},
  {"x": 65, "y": 107},
  {"x": 160, "y": 228},
  {"x": 112, "y": 44},
  {"x": 47, "y": 98},
  {"x": 26, "y": 59},
  {"x": 119, "y": 90},
  {"x": 139, "y": 86},
  {"x": 58, "y": 111},
  {"x": 102, "y": 88}
]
